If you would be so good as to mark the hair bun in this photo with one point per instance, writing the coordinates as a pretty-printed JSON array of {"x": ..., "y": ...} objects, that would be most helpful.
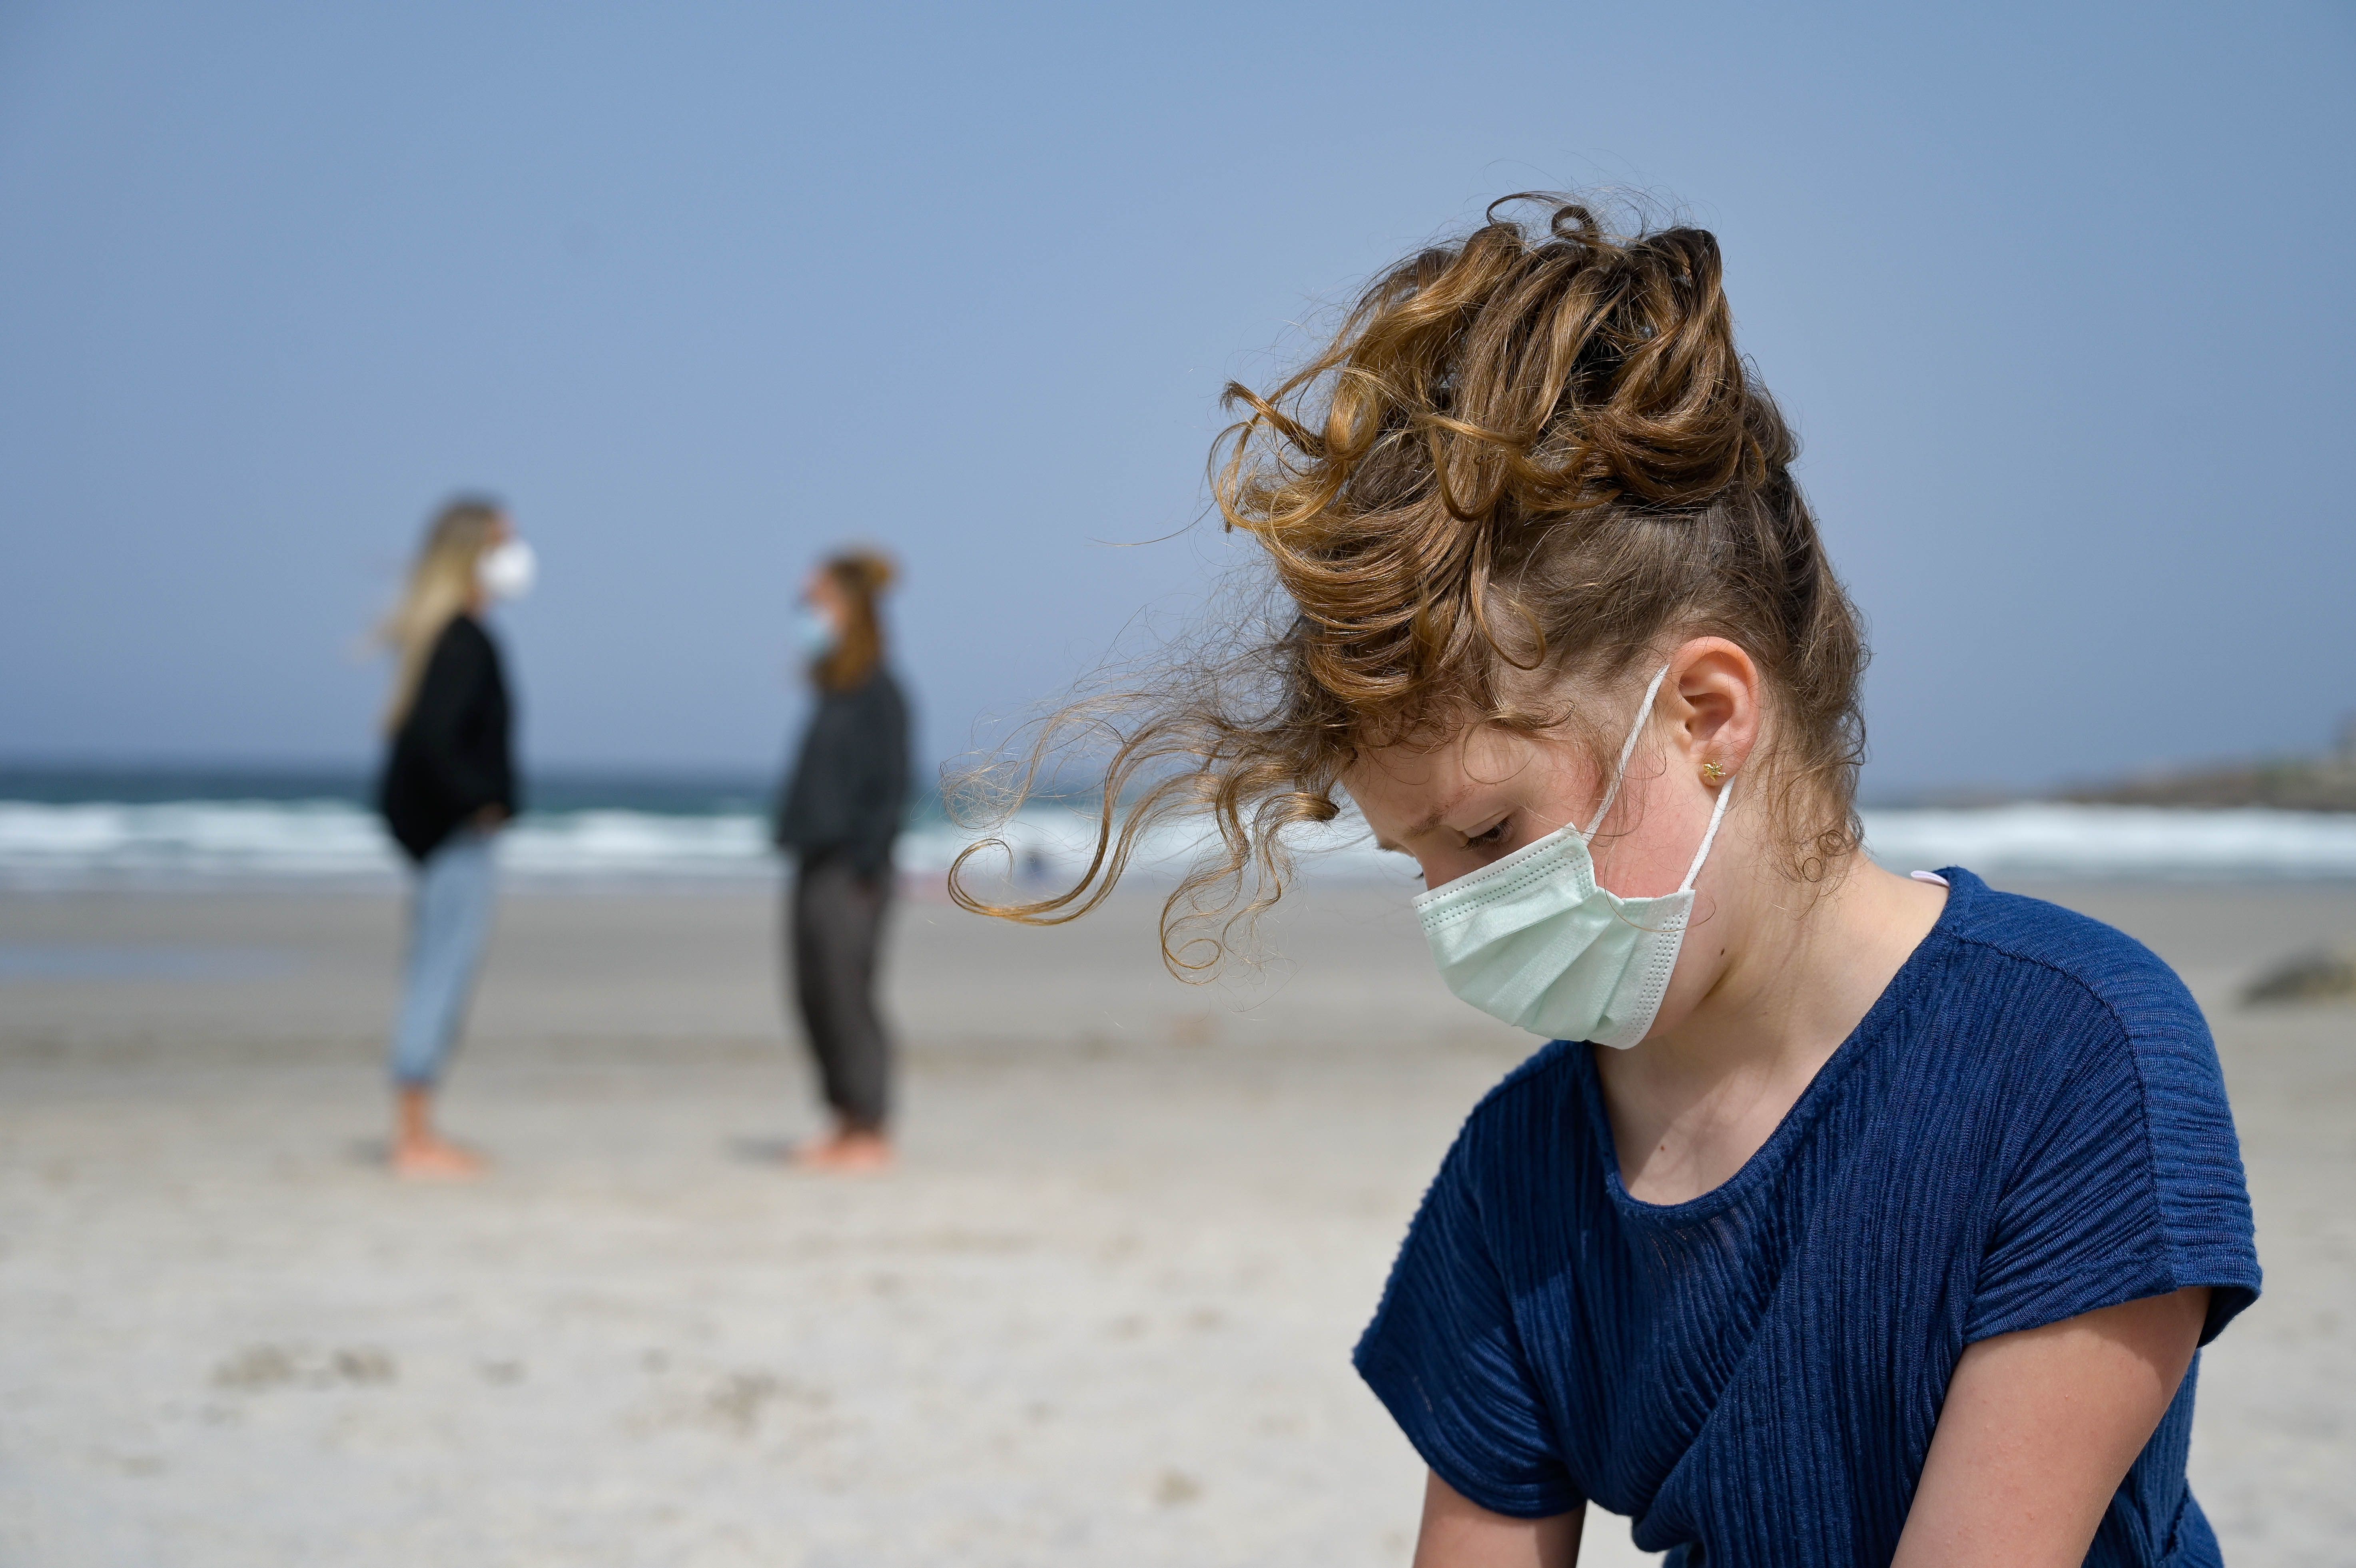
[
  {"x": 1656, "y": 405},
  {"x": 869, "y": 570}
]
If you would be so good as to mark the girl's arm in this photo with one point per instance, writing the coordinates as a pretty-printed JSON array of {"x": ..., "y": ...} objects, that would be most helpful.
[
  {"x": 2038, "y": 1430},
  {"x": 1460, "y": 1533}
]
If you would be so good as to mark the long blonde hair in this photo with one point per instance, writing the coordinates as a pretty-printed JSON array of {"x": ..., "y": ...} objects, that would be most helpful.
[{"x": 440, "y": 585}]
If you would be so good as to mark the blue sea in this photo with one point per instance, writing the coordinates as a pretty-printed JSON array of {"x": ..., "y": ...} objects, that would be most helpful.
[{"x": 85, "y": 827}]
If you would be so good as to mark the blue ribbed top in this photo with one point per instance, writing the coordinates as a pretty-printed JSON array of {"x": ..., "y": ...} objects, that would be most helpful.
[{"x": 2028, "y": 1124}]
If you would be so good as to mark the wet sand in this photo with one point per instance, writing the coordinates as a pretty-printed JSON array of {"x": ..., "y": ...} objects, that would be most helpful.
[{"x": 1102, "y": 1313}]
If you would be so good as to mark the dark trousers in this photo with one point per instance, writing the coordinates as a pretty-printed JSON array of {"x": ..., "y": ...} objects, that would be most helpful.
[{"x": 835, "y": 926}]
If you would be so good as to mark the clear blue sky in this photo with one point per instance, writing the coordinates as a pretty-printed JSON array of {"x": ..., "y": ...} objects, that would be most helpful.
[{"x": 2060, "y": 298}]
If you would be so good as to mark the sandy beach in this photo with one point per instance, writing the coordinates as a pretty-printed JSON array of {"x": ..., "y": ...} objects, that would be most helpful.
[{"x": 1102, "y": 1313}]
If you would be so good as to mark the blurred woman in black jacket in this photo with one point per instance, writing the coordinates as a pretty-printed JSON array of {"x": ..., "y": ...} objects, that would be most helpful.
[
  {"x": 449, "y": 783},
  {"x": 838, "y": 815}
]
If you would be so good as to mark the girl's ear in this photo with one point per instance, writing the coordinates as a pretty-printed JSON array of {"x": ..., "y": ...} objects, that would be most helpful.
[{"x": 1714, "y": 699}]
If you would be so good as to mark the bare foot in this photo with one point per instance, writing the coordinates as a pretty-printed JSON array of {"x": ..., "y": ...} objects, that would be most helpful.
[
  {"x": 435, "y": 1160},
  {"x": 846, "y": 1154}
]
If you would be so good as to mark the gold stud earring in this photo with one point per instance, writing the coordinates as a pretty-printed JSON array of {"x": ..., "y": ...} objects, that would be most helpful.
[{"x": 1713, "y": 771}]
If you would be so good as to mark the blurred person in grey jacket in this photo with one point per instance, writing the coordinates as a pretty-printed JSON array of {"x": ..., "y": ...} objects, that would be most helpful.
[{"x": 838, "y": 816}]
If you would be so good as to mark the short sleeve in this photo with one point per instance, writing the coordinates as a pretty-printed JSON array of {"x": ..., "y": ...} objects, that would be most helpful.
[
  {"x": 2124, "y": 1177},
  {"x": 1444, "y": 1356}
]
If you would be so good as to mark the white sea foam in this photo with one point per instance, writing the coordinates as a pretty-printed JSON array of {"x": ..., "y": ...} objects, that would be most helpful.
[
  {"x": 2034, "y": 839},
  {"x": 46, "y": 845},
  {"x": 313, "y": 841},
  {"x": 43, "y": 844}
]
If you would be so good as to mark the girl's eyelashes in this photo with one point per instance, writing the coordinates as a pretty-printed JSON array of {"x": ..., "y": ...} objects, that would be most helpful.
[{"x": 1489, "y": 837}]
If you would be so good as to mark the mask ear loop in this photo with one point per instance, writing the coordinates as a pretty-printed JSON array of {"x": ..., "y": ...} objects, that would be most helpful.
[
  {"x": 1716, "y": 815},
  {"x": 1644, "y": 713}
]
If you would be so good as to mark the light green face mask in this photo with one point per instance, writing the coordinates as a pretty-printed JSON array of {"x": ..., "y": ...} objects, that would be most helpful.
[{"x": 1533, "y": 940}]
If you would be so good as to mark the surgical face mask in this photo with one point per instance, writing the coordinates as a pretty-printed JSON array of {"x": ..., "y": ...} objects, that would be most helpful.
[
  {"x": 506, "y": 569},
  {"x": 1533, "y": 940},
  {"x": 813, "y": 633}
]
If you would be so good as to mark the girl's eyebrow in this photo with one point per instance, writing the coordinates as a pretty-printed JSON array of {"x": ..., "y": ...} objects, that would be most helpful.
[
  {"x": 1433, "y": 818},
  {"x": 1415, "y": 831},
  {"x": 1429, "y": 821}
]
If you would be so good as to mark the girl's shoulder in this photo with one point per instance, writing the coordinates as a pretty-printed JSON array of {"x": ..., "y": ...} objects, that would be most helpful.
[
  {"x": 463, "y": 638},
  {"x": 2016, "y": 958},
  {"x": 879, "y": 692},
  {"x": 2058, "y": 1023},
  {"x": 2075, "y": 947},
  {"x": 1540, "y": 1114},
  {"x": 2118, "y": 1172}
]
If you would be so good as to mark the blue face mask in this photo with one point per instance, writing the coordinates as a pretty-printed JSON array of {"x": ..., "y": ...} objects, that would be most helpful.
[
  {"x": 813, "y": 633},
  {"x": 1533, "y": 942}
]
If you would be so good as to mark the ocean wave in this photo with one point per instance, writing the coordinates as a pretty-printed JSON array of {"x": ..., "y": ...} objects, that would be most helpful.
[
  {"x": 2125, "y": 842},
  {"x": 52, "y": 844}
]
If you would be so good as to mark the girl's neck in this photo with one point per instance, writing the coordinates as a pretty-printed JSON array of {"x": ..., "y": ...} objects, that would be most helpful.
[{"x": 1800, "y": 971}]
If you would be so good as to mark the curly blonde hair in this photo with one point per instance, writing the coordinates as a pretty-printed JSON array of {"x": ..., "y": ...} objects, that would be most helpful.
[{"x": 1524, "y": 461}]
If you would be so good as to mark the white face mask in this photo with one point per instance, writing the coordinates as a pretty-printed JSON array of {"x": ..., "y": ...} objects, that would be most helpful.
[
  {"x": 506, "y": 569},
  {"x": 1532, "y": 939},
  {"x": 813, "y": 633}
]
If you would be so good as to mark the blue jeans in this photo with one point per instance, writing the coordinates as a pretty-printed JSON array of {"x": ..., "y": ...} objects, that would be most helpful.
[{"x": 449, "y": 921}]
